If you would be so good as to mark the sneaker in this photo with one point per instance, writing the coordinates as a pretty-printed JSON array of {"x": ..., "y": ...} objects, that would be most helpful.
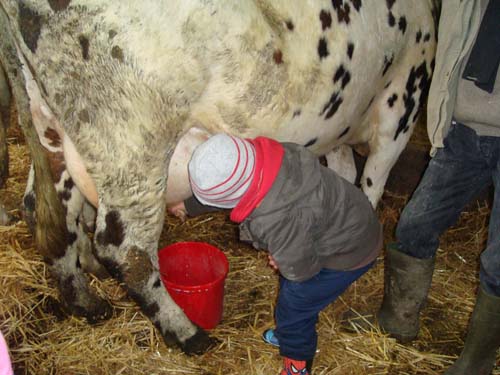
[
  {"x": 269, "y": 337},
  {"x": 294, "y": 367}
]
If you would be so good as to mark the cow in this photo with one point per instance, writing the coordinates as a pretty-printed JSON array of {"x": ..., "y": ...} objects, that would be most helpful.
[{"x": 121, "y": 92}]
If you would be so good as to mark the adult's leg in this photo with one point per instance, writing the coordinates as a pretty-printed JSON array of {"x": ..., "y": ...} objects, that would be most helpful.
[
  {"x": 483, "y": 337},
  {"x": 454, "y": 176}
]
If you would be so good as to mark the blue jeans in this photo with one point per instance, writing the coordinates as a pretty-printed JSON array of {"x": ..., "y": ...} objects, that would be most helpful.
[
  {"x": 298, "y": 307},
  {"x": 465, "y": 166}
]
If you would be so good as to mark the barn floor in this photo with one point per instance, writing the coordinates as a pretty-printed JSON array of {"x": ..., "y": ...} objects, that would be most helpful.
[{"x": 45, "y": 341}]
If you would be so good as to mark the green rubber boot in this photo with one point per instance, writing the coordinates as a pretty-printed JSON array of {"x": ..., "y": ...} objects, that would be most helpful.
[
  {"x": 483, "y": 338},
  {"x": 406, "y": 283}
]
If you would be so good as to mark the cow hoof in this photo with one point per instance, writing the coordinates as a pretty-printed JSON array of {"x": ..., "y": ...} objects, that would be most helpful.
[
  {"x": 102, "y": 311},
  {"x": 199, "y": 343},
  {"x": 95, "y": 311}
]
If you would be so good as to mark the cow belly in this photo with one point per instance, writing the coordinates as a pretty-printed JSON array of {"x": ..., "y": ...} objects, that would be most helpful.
[{"x": 178, "y": 187}]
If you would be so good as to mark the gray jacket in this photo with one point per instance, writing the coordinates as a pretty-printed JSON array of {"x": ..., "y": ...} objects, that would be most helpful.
[
  {"x": 458, "y": 26},
  {"x": 312, "y": 218}
]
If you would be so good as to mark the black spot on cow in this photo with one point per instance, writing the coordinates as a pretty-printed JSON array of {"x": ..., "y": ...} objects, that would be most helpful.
[
  {"x": 297, "y": 113},
  {"x": 78, "y": 264},
  {"x": 29, "y": 202},
  {"x": 343, "y": 11},
  {"x": 390, "y": 3},
  {"x": 322, "y": 48},
  {"x": 332, "y": 106},
  {"x": 417, "y": 79},
  {"x": 369, "y": 182},
  {"x": 58, "y": 98},
  {"x": 387, "y": 84},
  {"x": 339, "y": 73},
  {"x": 84, "y": 45},
  {"x": 415, "y": 117},
  {"x": 157, "y": 283},
  {"x": 311, "y": 142},
  {"x": 52, "y": 136},
  {"x": 325, "y": 18},
  {"x": 69, "y": 184},
  {"x": 30, "y": 24},
  {"x": 64, "y": 195},
  {"x": 356, "y": 4},
  {"x": 346, "y": 130},
  {"x": 342, "y": 73},
  {"x": 84, "y": 116},
  {"x": 391, "y": 19},
  {"x": 111, "y": 34},
  {"x": 112, "y": 267},
  {"x": 418, "y": 37},
  {"x": 427, "y": 37},
  {"x": 59, "y": 5},
  {"x": 387, "y": 64},
  {"x": 402, "y": 24},
  {"x": 150, "y": 309},
  {"x": 117, "y": 53},
  {"x": 392, "y": 100},
  {"x": 433, "y": 64},
  {"x": 113, "y": 234},
  {"x": 350, "y": 50},
  {"x": 278, "y": 57},
  {"x": 346, "y": 79},
  {"x": 289, "y": 25},
  {"x": 71, "y": 237}
]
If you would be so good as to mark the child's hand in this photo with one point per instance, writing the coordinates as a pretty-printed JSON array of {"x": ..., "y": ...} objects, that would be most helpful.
[
  {"x": 272, "y": 263},
  {"x": 178, "y": 210}
]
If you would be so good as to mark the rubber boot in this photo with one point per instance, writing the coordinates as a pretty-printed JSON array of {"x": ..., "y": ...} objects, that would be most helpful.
[
  {"x": 406, "y": 284},
  {"x": 483, "y": 338}
]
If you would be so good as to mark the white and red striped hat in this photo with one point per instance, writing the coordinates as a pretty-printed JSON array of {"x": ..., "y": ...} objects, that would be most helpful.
[{"x": 221, "y": 170}]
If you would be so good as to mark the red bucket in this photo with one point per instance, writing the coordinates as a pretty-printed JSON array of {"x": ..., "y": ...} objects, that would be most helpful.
[{"x": 194, "y": 275}]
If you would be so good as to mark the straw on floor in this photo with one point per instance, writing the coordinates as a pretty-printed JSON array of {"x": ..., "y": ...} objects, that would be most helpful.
[{"x": 43, "y": 340}]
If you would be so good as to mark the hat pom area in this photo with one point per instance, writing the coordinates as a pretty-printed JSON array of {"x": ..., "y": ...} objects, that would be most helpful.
[{"x": 221, "y": 169}]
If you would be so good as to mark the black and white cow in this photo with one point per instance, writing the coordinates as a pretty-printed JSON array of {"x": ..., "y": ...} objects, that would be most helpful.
[{"x": 122, "y": 91}]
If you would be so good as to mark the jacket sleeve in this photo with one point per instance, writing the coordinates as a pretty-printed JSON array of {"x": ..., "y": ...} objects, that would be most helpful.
[
  {"x": 289, "y": 241},
  {"x": 195, "y": 208}
]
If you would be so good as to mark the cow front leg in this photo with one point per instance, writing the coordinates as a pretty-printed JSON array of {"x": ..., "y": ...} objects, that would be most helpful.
[{"x": 126, "y": 244}]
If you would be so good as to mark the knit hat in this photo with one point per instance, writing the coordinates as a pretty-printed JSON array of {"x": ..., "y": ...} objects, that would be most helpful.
[{"x": 221, "y": 170}]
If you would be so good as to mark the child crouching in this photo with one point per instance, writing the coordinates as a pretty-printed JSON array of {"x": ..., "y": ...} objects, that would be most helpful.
[{"x": 321, "y": 231}]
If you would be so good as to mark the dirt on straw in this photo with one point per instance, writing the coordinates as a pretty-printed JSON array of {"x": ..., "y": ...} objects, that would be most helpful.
[{"x": 43, "y": 340}]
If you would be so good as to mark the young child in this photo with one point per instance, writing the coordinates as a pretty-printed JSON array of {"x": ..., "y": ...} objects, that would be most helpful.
[
  {"x": 5, "y": 366},
  {"x": 320, "y": 230}
]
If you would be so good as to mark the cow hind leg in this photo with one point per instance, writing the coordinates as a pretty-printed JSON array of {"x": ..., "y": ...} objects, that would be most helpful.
[
  {"x": 4, "y": 122},
  {"x": 393, "y": 117},
  {"x": 69, "y": 266},
  {"x": 127, "y": 245},
  {"x": 79, "y": 216}
]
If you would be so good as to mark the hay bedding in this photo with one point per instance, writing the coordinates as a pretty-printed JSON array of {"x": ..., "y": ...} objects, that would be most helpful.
[{"x": 45, "y": 341}]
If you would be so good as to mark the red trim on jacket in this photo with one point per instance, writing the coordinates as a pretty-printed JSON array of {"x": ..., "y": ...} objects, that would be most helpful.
[{"x": 268, "y": 157}]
